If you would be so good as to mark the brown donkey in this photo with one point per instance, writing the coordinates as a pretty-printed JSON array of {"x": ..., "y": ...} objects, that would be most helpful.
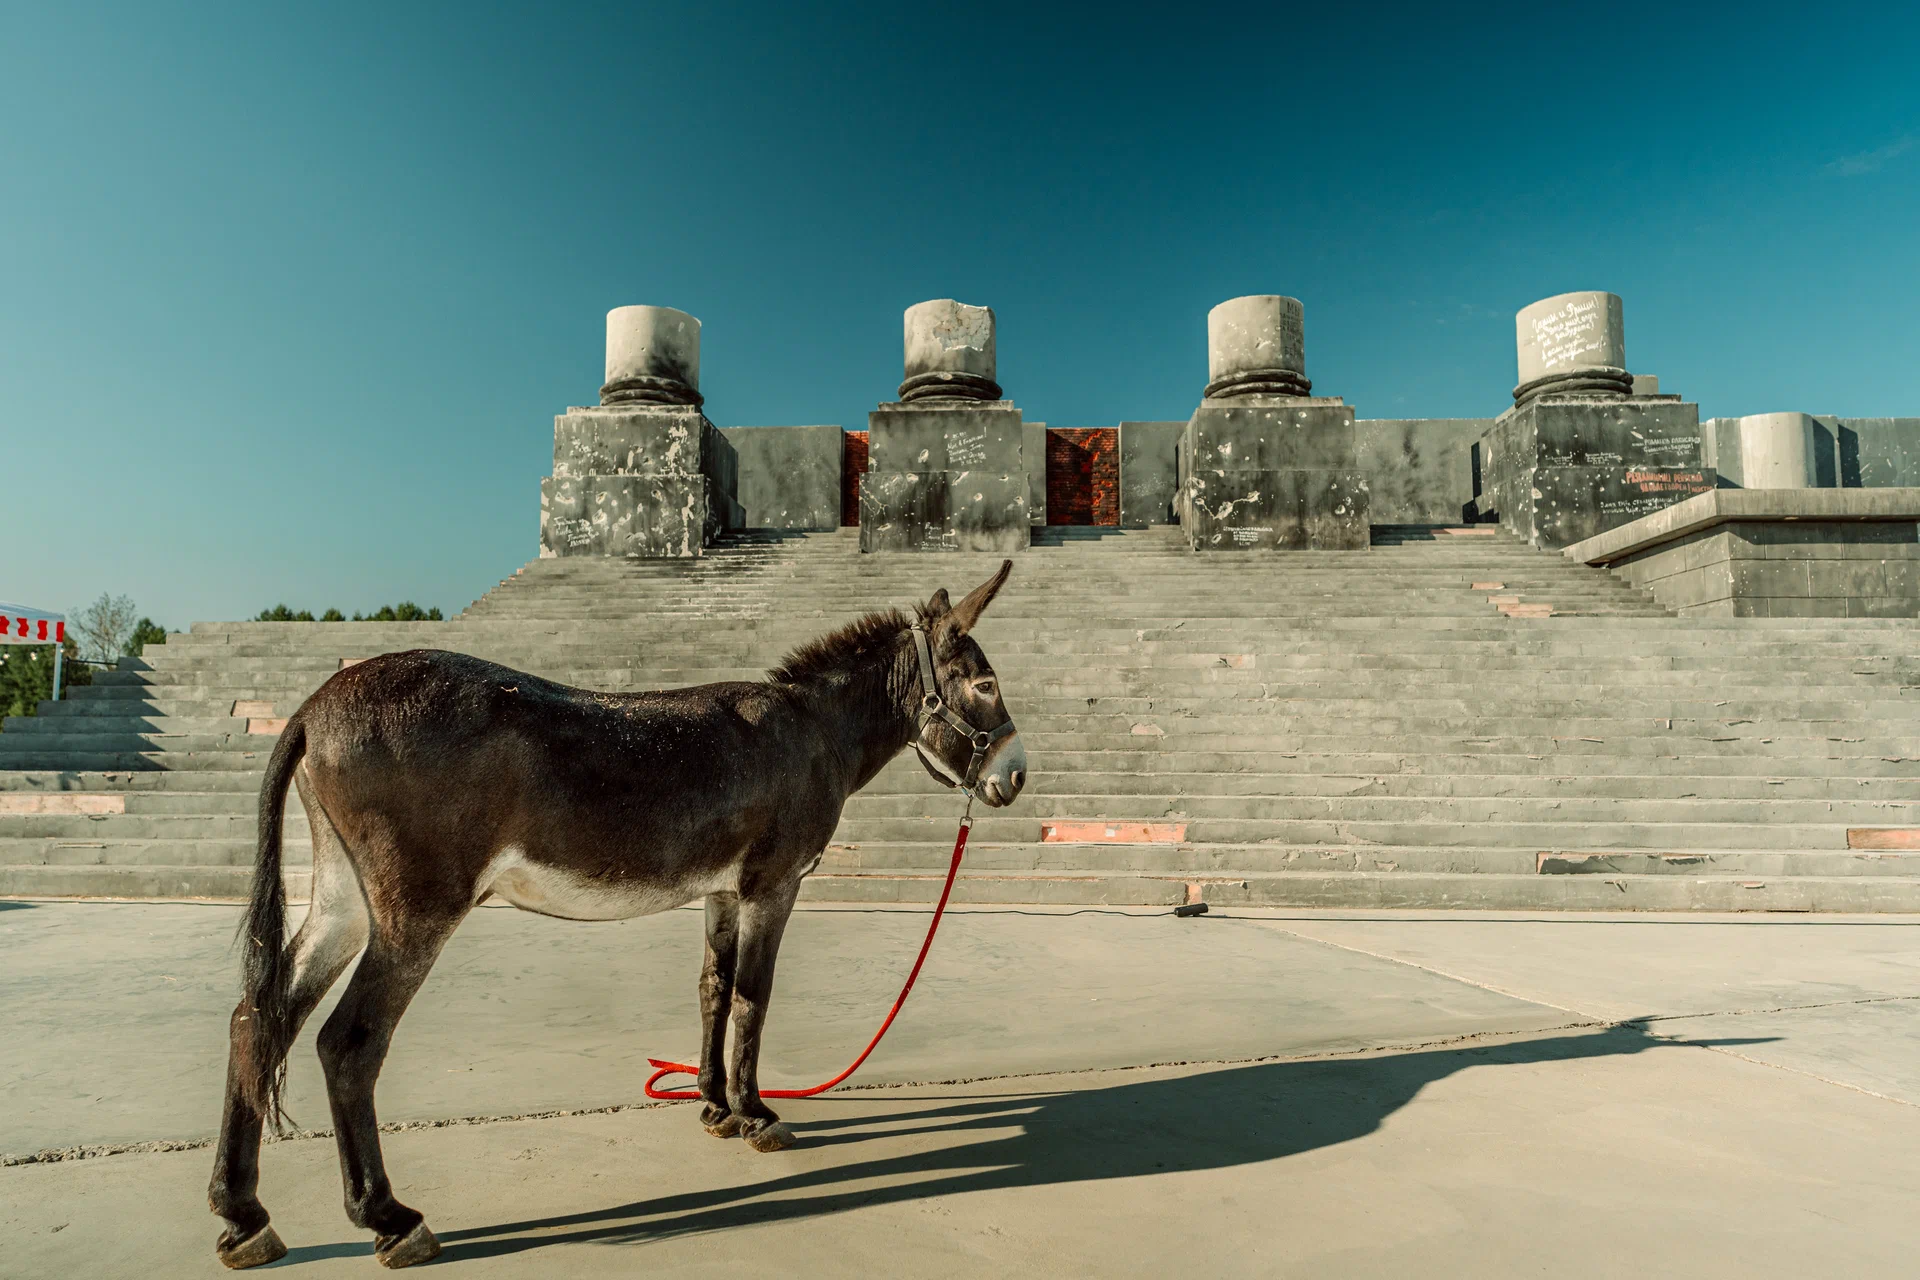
[{"x": 433, "y": 780}]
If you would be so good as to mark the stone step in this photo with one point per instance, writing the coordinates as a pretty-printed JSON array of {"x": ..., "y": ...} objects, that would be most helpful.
[
  {"x": 1377, "y": 890},
  {"x": 235, "y": 791},
  {"x": 1458, "y": 758},
  {"x": 1273, "y": 698},
  {"x": 29, "y": 751},
  {"x": 1196, "y": 818},
  {"x": 1275, "y": 718},
  {"x": 1265, "y": 859},
  {"x": 1170, "y": 790},
  {"x": 1357, "y": 890},
  {"x": 81, "y": 839}
]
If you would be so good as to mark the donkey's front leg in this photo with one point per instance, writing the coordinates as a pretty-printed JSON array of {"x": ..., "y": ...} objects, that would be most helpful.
[
  {"x": 716, "y": 995},
  {"x": 762, "y": 921}
]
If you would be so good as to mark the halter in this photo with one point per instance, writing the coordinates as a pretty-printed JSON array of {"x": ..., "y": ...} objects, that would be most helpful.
[{"x": 934, "y": 707}]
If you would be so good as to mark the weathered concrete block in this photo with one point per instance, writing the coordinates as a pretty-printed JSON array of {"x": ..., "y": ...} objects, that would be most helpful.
[
  {"x": 1149, "y": 472},
  {"x": 951, "y": 461},
  {"x": 1268, "y": 472},
  {"x": 787, "y": 477},
  {"x": 943, "y": 511},
  {"x": 950, "y": 436},
  {"x": 661, "y": 440},
  {"x": 1571, "y": 504},
  {"x": 1876, "y": 453},
  {"x": 624, "y": 515},
  {"x": 1270, "y": 433},
  {"x": 1563, "y": 470},
  {"x": 1297, "y": 510}
]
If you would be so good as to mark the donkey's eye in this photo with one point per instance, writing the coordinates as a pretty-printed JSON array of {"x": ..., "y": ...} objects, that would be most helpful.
[{"x": 983, "y": 687}]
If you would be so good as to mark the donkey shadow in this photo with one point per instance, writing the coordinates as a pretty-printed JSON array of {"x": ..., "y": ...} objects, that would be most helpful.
[{"x": 1219, "y": 1119}]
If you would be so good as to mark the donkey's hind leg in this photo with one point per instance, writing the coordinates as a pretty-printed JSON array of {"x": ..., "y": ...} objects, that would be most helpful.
[
  {"x": 353, "y": 1044},
  {"x": 716, "y": 994},
  {"x": 326, "y": 942}
]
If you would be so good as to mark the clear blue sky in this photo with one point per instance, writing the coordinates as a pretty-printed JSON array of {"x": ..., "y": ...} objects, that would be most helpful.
[{"x": 291, "y": 294}]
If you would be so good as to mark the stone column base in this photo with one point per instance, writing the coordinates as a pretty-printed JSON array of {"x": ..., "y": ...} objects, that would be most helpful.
[
  {"x": 1307, "y": 510},
  {"x": 1566, "y": 470},
  {"x": 945, "y": 476},
  {"x": 657, "y": 517},
  {"x": 943, "y": 511}
]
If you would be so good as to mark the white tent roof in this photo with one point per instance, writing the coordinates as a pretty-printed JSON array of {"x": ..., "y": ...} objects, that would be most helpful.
[{"x": 31, "y": 626}]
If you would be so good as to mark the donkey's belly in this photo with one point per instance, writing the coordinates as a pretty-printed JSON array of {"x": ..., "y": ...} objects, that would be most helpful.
[{"x": 553, "y": 891}]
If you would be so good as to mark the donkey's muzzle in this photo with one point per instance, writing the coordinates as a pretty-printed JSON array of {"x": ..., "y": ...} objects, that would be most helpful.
[{"x": 1005, "y": 773}]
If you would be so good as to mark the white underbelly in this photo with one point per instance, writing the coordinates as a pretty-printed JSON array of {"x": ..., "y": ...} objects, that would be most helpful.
[{"x": 552, "y": 891}]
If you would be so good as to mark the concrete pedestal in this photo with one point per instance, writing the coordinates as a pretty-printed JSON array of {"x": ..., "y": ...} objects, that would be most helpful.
[
  {"x": 1273, "y": 473},
  {"x": 634, "y": 480},
  {"x": 945, "y": 475},
  {"x": 1562, "y": 469}
]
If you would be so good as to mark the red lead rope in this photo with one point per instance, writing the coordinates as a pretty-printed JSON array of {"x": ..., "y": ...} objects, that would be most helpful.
[{"x": 681, "y": 1068}]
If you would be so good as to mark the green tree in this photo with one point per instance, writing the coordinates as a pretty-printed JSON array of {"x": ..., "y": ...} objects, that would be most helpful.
[
  {"x": 26, "y": 676},
  {"x": 146, "y": 632},
  {"x": 405, "y": 611}
]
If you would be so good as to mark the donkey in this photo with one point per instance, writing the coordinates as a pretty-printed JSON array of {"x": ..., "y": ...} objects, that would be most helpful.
[{"x": 434, "y": 780}]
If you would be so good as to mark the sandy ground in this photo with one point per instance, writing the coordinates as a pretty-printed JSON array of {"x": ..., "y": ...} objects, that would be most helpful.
[{"x": 1101, "y": 1092}]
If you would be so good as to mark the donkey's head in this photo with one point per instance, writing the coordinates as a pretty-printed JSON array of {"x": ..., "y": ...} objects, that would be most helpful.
[{"x": 966, "y": 685}]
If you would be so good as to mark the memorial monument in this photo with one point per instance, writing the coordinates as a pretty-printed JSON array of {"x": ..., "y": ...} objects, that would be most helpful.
[
  {"x": 946, "y": 464},
  {"x": 1579, "y": 452},
  {"x": 643, "y": 473},
  {"x": 1268, "y": 465}
]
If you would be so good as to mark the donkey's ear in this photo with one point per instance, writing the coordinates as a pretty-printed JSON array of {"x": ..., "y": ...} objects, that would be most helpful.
[
  {"x": 968, "y": 611},
  {"x": 938, "y": 607}
]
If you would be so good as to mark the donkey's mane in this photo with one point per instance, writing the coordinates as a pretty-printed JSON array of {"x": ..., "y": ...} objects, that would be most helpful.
[{"x": 840, "y": 650}]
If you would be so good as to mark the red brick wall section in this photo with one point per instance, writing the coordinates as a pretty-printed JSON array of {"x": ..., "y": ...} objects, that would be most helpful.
[
  {"x": 853, "y": 464},
  {"x": 1083, "y": 475}
]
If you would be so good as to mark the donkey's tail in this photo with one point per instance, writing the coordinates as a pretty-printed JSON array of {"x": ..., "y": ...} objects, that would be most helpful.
[{"x": 264, "y": 1026}]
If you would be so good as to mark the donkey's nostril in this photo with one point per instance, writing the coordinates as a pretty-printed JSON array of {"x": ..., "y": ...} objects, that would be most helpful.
[{"x": 1018, "y": 778}]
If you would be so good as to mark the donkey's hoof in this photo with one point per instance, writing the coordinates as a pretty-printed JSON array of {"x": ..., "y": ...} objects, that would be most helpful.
[
  {"x": 257, "y": 1250},
  {"x": 417, "y": 1246},
  {"x": 775, "y": 1137},
  {"x": 727, "y": 1126}
]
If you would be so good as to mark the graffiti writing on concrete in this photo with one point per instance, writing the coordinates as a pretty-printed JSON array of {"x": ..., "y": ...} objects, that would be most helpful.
[{"x": 1563, "y": 336}]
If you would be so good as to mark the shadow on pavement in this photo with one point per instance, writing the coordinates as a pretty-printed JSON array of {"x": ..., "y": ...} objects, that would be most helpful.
[{"x": 1240, "y": 1115}]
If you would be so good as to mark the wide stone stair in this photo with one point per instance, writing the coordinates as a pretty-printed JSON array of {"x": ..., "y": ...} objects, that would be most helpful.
[{"x": 1448, "y": 719}]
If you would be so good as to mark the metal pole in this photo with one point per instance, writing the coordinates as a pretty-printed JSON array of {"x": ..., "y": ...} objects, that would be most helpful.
[{"x": 59, "y": 656}]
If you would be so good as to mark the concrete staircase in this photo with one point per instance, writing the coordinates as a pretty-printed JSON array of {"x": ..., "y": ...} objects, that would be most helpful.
[{"x": 1449, "y": 719}]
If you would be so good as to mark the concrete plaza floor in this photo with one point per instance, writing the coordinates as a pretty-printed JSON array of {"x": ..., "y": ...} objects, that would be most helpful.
[{"x": 1096, "y": 1092}]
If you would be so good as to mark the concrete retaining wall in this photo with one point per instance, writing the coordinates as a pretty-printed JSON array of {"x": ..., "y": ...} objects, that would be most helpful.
[
  {"x": 1149, "y": 472},
  {"x": 1779, "y": 553},
  {"x": 1419, "y": 470},
  {"x": 787, "y": 477}
]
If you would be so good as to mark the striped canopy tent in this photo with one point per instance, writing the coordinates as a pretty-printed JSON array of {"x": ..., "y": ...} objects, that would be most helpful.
[{"x": 22, "y": 625}]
